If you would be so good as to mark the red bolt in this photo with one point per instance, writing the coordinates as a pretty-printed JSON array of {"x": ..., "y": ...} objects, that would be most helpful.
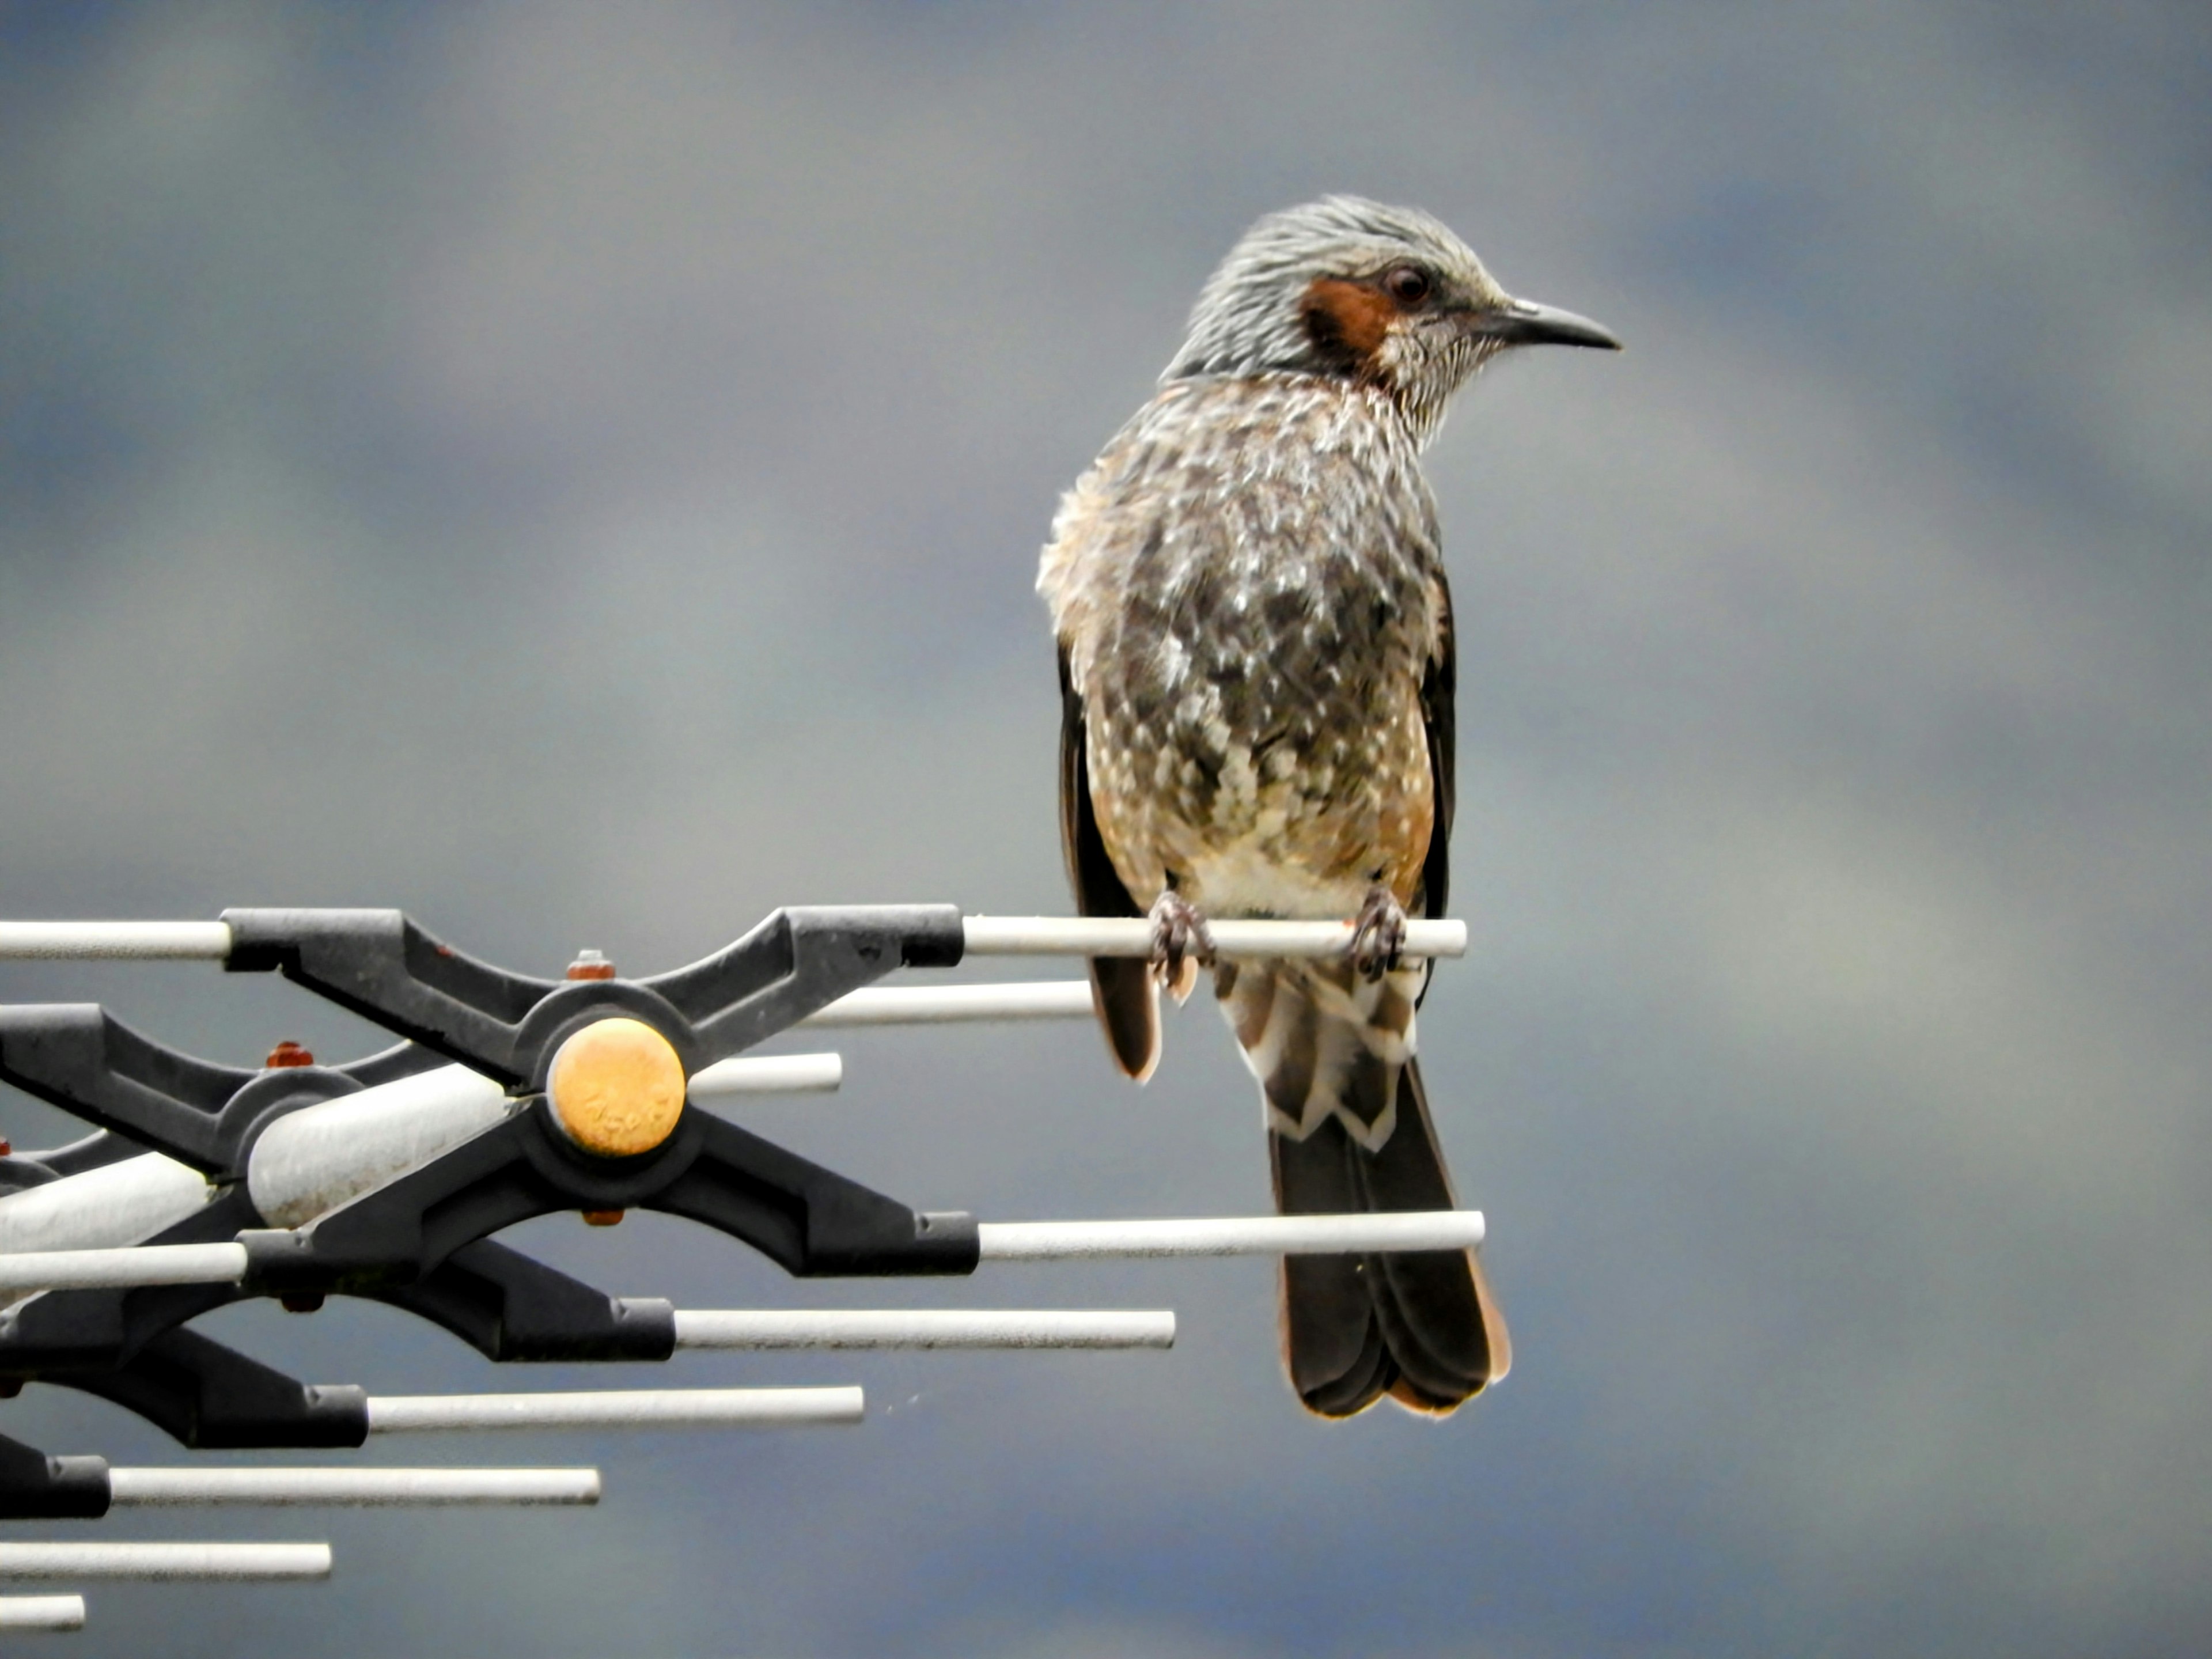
[
  {"x": 288, "y": 1053},
  {"x": 590, "y": 964},
  {"x": 602, "y": 1218}
]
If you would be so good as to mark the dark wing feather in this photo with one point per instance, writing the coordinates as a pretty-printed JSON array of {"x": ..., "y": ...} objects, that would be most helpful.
[
  {"x": 1440, "y": 717},
  {"x": 1120, "y": 987}
]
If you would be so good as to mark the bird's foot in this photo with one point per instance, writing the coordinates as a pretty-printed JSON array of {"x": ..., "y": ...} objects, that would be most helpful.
[
  {"x": 1182, "y": 943},
  {"x": 1378, "y": 933}
]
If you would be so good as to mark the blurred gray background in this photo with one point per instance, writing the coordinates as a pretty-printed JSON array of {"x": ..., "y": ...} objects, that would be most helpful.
[{"x": 576, "y": 473}]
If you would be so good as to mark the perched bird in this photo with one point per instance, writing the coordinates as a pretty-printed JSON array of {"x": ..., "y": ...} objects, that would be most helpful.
[{"x": 1256, "y": 679}]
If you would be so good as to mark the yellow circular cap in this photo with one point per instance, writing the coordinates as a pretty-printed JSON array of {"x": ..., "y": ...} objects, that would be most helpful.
[{"x": 616, "y": 1088}]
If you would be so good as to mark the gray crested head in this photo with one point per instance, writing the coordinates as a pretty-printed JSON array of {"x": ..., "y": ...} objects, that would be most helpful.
[{"x": 1350, "y": 289}]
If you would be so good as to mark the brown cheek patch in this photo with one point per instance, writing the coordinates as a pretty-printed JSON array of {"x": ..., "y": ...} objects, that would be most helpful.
[{"x": 1346, "y": 322}]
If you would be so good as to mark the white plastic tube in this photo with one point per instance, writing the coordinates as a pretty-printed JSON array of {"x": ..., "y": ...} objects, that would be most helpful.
[
  {"x": 1086, "y": 936},
  {"x": 1109, "y": 936},
  {"x": 644, "y": 1408},
  {"x": 924, "y": 1327},
  {"x": 41, "y": 1613},
  {"x": 312, "y": 1160},
  {"x": 129, "y": 1487},
  {"x": 115, "y": 941},
  {"x": 134, "y": 1265},
  {"x": 1269, "y": 1235},
  {"x": 953, "y": 1004},
  {"x": 116, "y": 1204},
  {"x": 767, "y": 1074},
  {"x": 165, "y": 1562}
]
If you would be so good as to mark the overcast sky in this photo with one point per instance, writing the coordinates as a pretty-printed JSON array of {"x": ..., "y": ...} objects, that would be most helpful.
[{"x": 576, "y": 472}]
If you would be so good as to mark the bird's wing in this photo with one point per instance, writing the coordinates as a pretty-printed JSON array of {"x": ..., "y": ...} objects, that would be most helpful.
[
  {"x": 1439, "y": 716},
  {"x": 1120, "y": 987}
]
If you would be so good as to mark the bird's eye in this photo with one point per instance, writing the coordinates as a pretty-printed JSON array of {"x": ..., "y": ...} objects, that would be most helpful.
[{"x": 1407, "y": 284}]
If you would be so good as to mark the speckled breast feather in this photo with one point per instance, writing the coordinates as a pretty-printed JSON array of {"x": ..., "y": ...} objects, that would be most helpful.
[{"x": 1248, "y": 585}]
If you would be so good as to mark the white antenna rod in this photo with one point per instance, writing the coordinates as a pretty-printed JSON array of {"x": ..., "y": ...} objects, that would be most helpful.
[
  {"x": 1270, "y": 1235},
  {"x": 767, "y": 1074},
  {"x": 41, "y": 1613},
  {"x": 1000, "y": 1240},
  {"x": 1050, "y": 936},
  {"x": 115, "y": 941},
  {"x": 137, "y": 1264},
  {"x": 380, "y": 1488},
  {"x": 166, "y": 1562},
  {"x": 923, "y": 1328},
  {"x": 644, "y": 1408},
  {"x": 957, "y": 1004},
  {"x": 1109, "y": 936}
]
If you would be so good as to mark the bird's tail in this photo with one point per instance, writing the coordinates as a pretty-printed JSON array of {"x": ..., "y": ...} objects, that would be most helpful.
[{"x": 1348, "y": 1130}]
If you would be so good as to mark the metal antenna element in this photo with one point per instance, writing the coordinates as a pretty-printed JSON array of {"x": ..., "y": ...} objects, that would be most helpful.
[
  {"x": 41, "y": 1613},
  {"x": 167, "y": 1563},
  {"x": 505, "y": 1097}
]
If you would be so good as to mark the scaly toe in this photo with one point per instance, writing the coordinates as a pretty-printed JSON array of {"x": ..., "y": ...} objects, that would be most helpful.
[
  {"x": 1378, "y": 935},
  {"x": 1182, "y": 943}
]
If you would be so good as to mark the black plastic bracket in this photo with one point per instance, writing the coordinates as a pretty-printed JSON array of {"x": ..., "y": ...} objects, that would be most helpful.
[
  {"x": 807, "y": 1219},
  {"x": 36, "y": 1487},
  {"x": 500, "y": 1301},
  {"x": 380, "y": 964},
  {"x": 81, "y": 1057},
  {"x": 508, "y": 1307},
  {"x": 210, "y": 1397},
  {"x": 87, "y": 1330},
  {"x": 421, "y": 1241},
  {"x": 384, "y": 967}
]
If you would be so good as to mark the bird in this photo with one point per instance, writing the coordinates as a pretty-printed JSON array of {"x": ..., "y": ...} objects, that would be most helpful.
[{"x": 1257, "y": 688}]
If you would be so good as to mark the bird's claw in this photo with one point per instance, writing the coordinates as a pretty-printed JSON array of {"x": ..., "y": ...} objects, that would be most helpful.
[
  {"x": 1378, "y": 933},
  {"x": 1182, "y": 943}
]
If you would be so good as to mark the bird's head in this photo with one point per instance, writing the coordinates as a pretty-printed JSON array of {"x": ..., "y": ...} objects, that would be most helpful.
[{"x": 1384, "y": 296}]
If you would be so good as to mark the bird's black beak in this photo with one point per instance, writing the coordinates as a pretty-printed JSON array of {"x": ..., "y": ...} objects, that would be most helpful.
[{"x": 1523, "y": 322}]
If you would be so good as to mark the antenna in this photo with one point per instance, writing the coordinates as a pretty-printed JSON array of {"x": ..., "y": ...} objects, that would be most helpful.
[{"x": 506, "y": 1097}]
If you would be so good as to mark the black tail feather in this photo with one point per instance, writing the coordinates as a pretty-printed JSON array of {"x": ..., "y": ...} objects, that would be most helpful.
[{"x": 1420, "y": 1326}]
